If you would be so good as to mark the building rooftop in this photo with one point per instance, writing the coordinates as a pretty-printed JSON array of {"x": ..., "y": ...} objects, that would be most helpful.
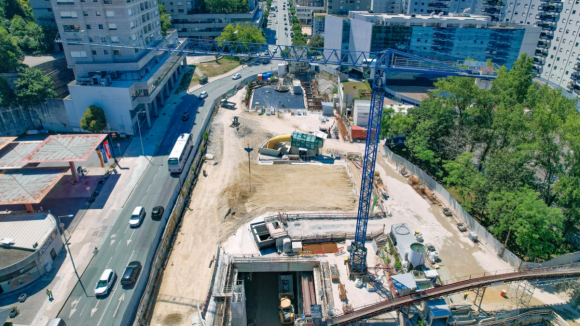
[
  {"x": 462, "y": 17},
  {"x": 27, "y": 230},
  {"x": 28, "y": 186},
  {"x": 13, "y": 153},
  {"x": 404, "y": 281},
  {"x": 438, "y": 308},
  {"x": 4, "y": 141},
  {"x": 65, "y": 148}
]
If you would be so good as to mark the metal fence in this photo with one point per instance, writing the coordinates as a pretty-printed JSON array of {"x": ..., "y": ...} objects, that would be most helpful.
[{"x": 484, "y": 235}]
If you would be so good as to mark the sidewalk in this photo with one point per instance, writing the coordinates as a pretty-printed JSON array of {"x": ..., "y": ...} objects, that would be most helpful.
[{"x": 93, "y": 229}]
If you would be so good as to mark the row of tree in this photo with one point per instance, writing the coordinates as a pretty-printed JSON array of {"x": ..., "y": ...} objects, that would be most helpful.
[
  {"x": 221, "y": 7},
  {"x": 30, "y": 88},
  {"x": 511, "y": 155},
  {"x": 20, "y": 35}
]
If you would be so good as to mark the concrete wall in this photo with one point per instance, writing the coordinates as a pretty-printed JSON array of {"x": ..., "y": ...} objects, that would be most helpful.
[{"x": 273, "y": 266}]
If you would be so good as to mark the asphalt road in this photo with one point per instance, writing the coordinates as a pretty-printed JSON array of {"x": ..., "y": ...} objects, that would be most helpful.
[
  {"x": 156, "y": 187},
  {"x": 274, "y": 30}
]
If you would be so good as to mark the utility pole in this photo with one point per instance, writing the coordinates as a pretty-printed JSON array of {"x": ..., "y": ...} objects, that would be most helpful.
[
  {"x": 61, "y": 226},
  {"x": 248, "y": 149}
]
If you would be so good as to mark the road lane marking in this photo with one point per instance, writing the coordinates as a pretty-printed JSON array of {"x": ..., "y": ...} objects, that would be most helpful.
[
  {"x": 95, "y": 308},
  {"x": 120, "y": 300},
  {"x": 73, "y": 306},
  {"x": 108, "y": 262},
  {"x": 130, "y": 257},
  {"x": 126, "y": 229},
  {"x": 108, "y": 303},
  {"x": 82, "y": 310},
  {"x": 129, "y": 241}
]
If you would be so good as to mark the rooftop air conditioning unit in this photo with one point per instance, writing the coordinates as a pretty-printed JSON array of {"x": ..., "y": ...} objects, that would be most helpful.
[
  {"x": 96, "y": 79},
  {"x": 114, "y": 74},
  {"x": 106, "y": 81},
  {"x": 7, "y": 242}
]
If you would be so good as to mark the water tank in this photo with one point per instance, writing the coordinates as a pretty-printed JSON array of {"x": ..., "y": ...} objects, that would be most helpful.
[
  {"x": 287, "y": 245},
  {"x": 417, "y": 254},
  {"x": 281, "y": 69}
]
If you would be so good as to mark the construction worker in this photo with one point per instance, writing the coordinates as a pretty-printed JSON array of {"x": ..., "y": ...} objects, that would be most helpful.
[{"x": 49, "y": 293}]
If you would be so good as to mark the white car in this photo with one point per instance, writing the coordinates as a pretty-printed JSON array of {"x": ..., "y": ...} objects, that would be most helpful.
[
  {"x": 105, "y": 282},
  {"x": 203, "y": 95},
  {"x": 236, "y": 76},
  {"x": 137, "y": 217}
]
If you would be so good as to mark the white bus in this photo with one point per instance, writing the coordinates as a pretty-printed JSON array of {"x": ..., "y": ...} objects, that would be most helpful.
[{"x": 179, "y": 153}]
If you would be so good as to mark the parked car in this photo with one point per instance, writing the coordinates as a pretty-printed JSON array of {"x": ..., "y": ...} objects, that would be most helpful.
[
  {"x": 56, "y": 322},
  {"x": 185, "y": 116},
  {"x": 157, "y": 212},
  {"x": 461, "y": 227},
  {"x": 447, "y": 211},
  {"x": 105, "y": 282},
  {"x": 137, "y": 217},
  {"x": 236, "y": 76},
  {"x": 203, "y": 95},
  {"x": 266, "y": 61},
  {"x": 131, "y": 273}
]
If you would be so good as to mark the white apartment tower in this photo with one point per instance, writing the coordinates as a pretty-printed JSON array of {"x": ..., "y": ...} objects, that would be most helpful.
[{"x": 129, "y": 84}]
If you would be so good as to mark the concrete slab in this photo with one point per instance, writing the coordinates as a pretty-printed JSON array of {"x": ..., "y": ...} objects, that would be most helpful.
[{"x": 268, "y": 97}]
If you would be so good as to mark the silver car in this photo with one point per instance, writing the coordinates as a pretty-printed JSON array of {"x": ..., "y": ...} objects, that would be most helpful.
[{"x": 105, "y": 282}]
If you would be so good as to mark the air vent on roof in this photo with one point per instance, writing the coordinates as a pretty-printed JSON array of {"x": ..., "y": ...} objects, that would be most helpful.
[{"x": 7, "y": 242}]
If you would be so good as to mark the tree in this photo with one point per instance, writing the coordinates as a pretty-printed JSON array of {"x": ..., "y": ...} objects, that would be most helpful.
[
  {"x": 242, "y": 33},
  {"x": 317, "y": 41},
  {"x": 33, "y": 87},
  {"x": 164, "y": 19},
  {"x": 94, "y": 119},
  {"x": 536, "y": 227},
  {"x": 463, "y": 175},
  {"x": 10, "y": 8},
  {"x": 11, "y": 55},
  {"x": 386, "y": 119},
  {"x": 7, "y": 95}
]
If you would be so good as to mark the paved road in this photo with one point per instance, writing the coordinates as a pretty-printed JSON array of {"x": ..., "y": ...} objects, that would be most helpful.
[
  {"x": 274, "y": 30},
  {"x": 156, "y": 187}
]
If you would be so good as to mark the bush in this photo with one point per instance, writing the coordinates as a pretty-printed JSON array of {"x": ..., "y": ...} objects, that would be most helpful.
[{"x": 398, "y": 265}]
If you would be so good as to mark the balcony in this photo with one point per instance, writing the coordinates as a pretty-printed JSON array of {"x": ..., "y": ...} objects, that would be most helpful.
[
  {"x": 543, "y": 45},
  {"x": 546, "y": 37},
  {"x": 554, "y": 8},
  {"x": 493, "y": 3},
  {"x": 491, "y": 10},
  {"x": 574, "y": 76},
  {"x": 438, "y": 5},
  {"x": 541, "y": 53}
]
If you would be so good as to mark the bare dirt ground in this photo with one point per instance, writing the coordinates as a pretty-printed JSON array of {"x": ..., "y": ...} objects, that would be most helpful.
[{"x": 304, "y": 187}]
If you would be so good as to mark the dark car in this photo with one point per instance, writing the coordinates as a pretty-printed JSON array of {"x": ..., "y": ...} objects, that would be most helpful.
[
  {"x": 185, "y": 116},
  {"x": 266, "y": 61},
  {"x": 157, "y": 212},
  {"x": 131, "y": 273}
]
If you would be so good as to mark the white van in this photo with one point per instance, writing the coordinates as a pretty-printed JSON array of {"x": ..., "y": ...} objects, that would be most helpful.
[{"x": 137, "y": 217}]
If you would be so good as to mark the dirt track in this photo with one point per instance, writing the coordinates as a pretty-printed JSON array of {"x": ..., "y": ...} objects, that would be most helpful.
[{"x": 274, "y": 188}]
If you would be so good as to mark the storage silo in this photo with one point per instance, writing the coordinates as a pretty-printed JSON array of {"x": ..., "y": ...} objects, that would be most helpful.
[{"x": 417, "y": 254}]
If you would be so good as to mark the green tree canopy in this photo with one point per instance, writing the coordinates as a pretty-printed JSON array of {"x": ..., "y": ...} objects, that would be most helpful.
[
  {"x": 164, "y": 18},
  {"x": 242, "y": 33},
  {"x": 33, "y": 87},
  {"x": 316, "y": 41},
  {"x": 94, "y": 119},
  {"x": 11, "y": 55}
]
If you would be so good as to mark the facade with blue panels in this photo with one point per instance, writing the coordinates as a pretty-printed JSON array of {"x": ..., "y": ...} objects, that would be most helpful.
[{"x": 444, "y": 38}]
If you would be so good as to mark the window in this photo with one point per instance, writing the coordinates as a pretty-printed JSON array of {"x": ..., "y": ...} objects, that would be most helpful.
[
  {"x": 85, "y": 13},
  {"x": 130, "y": 12},
  {"x": 88, "y": 26},
  {"x": 106, "y": 51},
  {"x": 558, "y": 59},
  {"x": 78, "y": 54},
  {"x": 567, "y": 31},
  {"x": 549, "y": 65},
  {"x": 115, "y": 39},
  {"x": 113, "y": 27},
  {"x": 110, "y": 13},
  {"x": 567, "y": 71},
  {"x": 64, "y": 2},
  {"x": 94, "y": 52},
  {"x": 132, "y": 25},
  {"x": 567, "y": 11},
  {"x": 573, "y": 11},
  {"x": 116, "y": 52},
  {"x": 100, "y": 26},
  {"x": 71, "y": 28},
  {"x": 181, "y": 10},
  {"x": 68, "y": 14},
  {"x": 533, "y": 6}
]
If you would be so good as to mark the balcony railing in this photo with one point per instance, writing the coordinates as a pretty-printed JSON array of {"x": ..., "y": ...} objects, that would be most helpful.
[{"x": 574, "y": 76}]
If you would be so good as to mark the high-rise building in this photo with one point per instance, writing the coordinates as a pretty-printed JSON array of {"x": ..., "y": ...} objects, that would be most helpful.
[
  {"x": 556, "y": 56},
  {"x": 445, "y": 38},
  {"x": 42, "y": 11},
  {"x": 129, "y": 84},
  {"x": 343, "y": 7}
]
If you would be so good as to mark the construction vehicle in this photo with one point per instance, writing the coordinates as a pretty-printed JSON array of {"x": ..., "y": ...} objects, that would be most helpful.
[
  {"x": 228, "y": 105},
  {"x": 286, "y": 311},
  {"x": 235, "y": 121}
]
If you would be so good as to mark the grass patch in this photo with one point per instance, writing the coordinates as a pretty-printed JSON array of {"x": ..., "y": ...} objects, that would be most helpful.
[
  {"x": 356, "y": 89},
  {"x": 212, "y": 69},
  {"x": 189, "y": 80}
]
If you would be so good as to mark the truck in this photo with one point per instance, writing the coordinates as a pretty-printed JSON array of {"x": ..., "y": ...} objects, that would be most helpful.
[{"x": 228, "y": 105}]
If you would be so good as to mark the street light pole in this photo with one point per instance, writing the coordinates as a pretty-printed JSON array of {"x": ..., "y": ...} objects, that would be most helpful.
[
  {"x": 60, "y": 225},
  {"x": 248, "y": 149},
  {"x": 139, "y": 127}
]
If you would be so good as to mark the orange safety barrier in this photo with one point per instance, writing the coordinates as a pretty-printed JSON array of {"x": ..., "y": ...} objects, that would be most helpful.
[{"x": 306, "y": 253}]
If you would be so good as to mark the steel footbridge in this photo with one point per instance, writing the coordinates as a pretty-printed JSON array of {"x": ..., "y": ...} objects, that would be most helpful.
[{"x": 569, "y": 271}]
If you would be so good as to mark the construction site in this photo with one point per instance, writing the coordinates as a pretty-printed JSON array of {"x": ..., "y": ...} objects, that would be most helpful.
[{"x": 269, "y": 231}]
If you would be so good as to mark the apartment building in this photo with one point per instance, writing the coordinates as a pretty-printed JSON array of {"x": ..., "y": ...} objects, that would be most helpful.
[
  {"x": 306, "y": 8},
  {"x": 43, "y": 14},
  {"x": 446, "y": 38},
  {"x": 129, "y": 84},
  {"x": 318, "y": 23},
  {"x": 343, "y": 7},
  {"x": 192, "y": 23}
]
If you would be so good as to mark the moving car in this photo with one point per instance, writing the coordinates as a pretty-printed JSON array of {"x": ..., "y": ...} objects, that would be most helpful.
[
  {"x": 185, "y": 116},
  {"x": 137, "y": 216},
  {"x": 236, "y": 76},
  {"x": 105, "y": 282},
  {"x": 157, "y": 212},
  {"x": 203, "y": 95},
  {"x": 131, "y": 273}
]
